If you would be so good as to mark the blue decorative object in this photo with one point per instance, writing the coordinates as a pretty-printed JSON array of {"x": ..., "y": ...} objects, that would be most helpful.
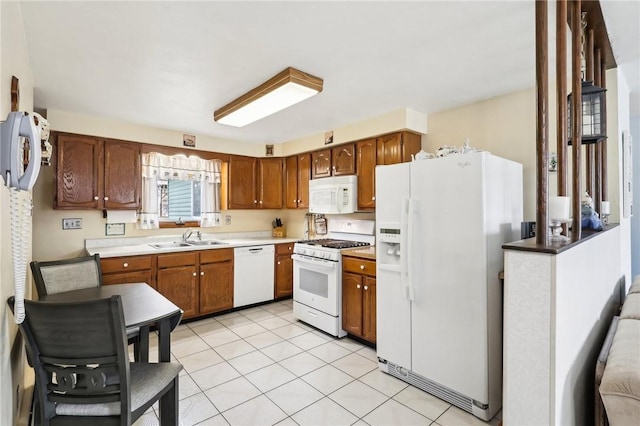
[{"x": 590, "y": 219}]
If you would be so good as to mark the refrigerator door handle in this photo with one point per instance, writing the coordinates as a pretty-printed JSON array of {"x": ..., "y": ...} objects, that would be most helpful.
[
  {"x": 404, "y": 232},
  {"x": 408, "y": 250}
]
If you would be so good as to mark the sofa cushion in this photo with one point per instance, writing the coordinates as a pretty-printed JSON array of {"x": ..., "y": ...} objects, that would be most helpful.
[
  {"x": 631, "y": 307},
  {"x": 620, "y": 386},
  {"x": 635, "y": 287}
]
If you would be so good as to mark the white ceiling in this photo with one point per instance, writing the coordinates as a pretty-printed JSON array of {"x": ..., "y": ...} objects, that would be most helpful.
[{"x": 171, "y": 64}]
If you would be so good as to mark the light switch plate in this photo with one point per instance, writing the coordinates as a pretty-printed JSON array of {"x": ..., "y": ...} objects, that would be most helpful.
[
  {"x": 72, "y": 223},
  {"x": 114, "y": 229},
  {"x": 227, "y": 219}
]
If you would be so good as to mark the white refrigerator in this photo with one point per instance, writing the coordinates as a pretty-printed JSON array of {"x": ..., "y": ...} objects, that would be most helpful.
[{"x": 440, "y": 226}]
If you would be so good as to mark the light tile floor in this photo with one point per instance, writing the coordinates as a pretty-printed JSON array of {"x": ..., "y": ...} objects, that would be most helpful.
[{"x": 260, "y": 366}]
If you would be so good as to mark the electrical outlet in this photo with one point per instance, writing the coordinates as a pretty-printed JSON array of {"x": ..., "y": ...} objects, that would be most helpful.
[
  {"x": 72, "y": 223},
  {"x": 227, "y": 219}
]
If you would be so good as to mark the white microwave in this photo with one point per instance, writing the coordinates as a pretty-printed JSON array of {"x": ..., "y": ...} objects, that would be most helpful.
[{"x": 333, "y": 195}]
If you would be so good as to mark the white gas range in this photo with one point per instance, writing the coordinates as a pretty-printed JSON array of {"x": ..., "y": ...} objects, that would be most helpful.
[{"x": 317, "y": 273}]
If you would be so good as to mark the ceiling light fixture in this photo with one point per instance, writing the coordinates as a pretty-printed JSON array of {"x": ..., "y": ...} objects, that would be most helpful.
[{"x": 279, "y": 92}]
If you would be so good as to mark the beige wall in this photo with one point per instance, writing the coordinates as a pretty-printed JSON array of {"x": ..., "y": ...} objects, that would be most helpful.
[{"x": 13, "y": 62}]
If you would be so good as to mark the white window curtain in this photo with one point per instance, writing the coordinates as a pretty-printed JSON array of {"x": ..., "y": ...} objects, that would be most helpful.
[{"x": 158, "y": 166}]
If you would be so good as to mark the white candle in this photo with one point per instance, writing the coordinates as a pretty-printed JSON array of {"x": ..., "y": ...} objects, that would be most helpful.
[
  {"x": 559, "y": 208},
  {"x": 605, "y": 207}
]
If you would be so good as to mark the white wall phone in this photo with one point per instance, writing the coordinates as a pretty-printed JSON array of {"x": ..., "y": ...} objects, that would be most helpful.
[{"x": 19, "y": 125}]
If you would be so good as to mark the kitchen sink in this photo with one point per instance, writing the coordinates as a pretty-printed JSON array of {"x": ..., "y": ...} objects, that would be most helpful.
[
  {"x": 205, "y": 243},
  {"x": 169, "y": 245}
]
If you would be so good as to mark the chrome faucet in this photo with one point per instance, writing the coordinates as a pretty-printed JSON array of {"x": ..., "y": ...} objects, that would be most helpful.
[{"x": 187, "y": 234}]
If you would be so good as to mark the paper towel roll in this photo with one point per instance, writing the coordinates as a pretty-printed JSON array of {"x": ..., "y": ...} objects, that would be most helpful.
[{"x": 122, "y": 216}]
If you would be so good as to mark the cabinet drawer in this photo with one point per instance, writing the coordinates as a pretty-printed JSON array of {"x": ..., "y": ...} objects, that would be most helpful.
[
  {"x": 216, "y": 255},
  {"x": 359, "y": 266},
  {"x": 124, "y": 264},
  {"x": 284, "y": 248},
  {"x": 177, "y": 259}
]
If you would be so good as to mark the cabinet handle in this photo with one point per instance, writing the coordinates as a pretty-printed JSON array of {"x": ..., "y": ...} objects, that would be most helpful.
[
  {"x": 125, "y": 265},
  {"x": 373, "y": 198},
  {"x": 260, "y": 201},
  {"x": 295, "y": 201},
  {"x": 362, "y": 267},
  {"x": 255, "y": 201},
  {"x": 278, "y": 263},
  {"x": 201, "y": 273},
  {"x": 289, "y": 248},
  {"x": 96, "y": 198},
  {"x": 358, "y": 286},
  {"x": 194, "y": 274},
  {"x": 366, "y": 287},
  {"x": 106, "y": 198}
]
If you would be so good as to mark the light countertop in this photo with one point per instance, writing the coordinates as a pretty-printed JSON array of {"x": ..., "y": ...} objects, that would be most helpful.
[
  {"x": 133, "y": 246},
  {"x": 361, "y": 252}
]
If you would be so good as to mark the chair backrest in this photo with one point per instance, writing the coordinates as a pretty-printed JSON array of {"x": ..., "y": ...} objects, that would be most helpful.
[
  {"x": 80, "y": 357},
  {"x": 65, "y": 275}
]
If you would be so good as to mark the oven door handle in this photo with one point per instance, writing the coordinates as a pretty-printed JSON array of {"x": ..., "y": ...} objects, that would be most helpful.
[{"x": 307, "y": 260}]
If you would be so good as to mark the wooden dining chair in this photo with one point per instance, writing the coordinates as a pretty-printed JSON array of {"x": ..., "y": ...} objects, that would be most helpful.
[
  {"x": 83, "y": 372},
  {"x": 58, "y": 276}
]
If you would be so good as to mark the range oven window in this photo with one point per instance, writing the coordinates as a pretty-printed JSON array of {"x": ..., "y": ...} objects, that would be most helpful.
[{"x": 314, "y": 282}]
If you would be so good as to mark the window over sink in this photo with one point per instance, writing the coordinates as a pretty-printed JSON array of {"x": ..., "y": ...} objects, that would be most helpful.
[{"x": 179, "y": 188}]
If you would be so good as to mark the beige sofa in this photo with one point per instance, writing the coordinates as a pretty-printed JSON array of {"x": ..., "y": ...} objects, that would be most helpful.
[{"x": 620, "y": 384}]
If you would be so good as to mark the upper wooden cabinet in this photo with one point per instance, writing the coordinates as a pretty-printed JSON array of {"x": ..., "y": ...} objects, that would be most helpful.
[
  {"x": 336, "y": 161},
  {"x": 343, "y": 158},
  {"x": 92, "y": 173},
  {"x": 321, "y": 163},
  {"x": 269, "y": 184},
  {"x": 366, "y": 167},
  {"x": 255, "y": 183},
  {"x": 297, "y": 175},
  {"x": 397, "y": 147},
  {"x": 242, "y": 183}
]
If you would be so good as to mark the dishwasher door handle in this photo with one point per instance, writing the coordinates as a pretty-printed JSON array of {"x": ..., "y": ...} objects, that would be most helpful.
[{"x": 255, "y": 250}]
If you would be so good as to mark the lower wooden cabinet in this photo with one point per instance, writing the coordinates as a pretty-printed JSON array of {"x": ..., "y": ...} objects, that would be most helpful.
[
  {"x": 283, "y": 271},
  {"x": 359, "y": 297},
  {"x": 129, "y": 269},
  {"x": 178, "y": 280},
  {"x": 199, "y": 282},
  {"x": 216, "y": 280}
]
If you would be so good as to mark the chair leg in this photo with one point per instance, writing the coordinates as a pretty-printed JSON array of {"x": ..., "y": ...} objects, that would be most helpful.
[
  {"x": 169, "y": 405},
  {"x": 143, "y": 344},
  {"x": 136, "y": 351}
]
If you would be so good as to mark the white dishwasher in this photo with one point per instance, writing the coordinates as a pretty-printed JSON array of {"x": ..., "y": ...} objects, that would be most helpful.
[{"x": 253, "y": 274}]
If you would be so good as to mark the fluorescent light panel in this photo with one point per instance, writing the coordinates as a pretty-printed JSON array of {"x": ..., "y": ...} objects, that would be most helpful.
[{"x": 281, "y": 91}]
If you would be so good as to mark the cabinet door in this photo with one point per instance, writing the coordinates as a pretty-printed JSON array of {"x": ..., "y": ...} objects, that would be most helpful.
[
  {"x": 352, "y": 303},
  {"x": 242, "y": 183},
  {"x": 291, "y": 183},
  {"x": 122, "y": 178},
  {"x": 390, "y": 149},
  {"x": 344, "y": 160},
  {"x": 321, "y": 164},
  {"x": 79, "y": 167},
  {"x": 270, "y": 178},
  {"x": 397, "y": 147},
  {"x": 216, "y": 287},
  {"x": 179, "y": 284},
  {"x": 369, "y": 309},
  {"x": 304, "y": 175},
  {"x": 366, "y": 167},
  {"x": 284, "y": 276}
]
